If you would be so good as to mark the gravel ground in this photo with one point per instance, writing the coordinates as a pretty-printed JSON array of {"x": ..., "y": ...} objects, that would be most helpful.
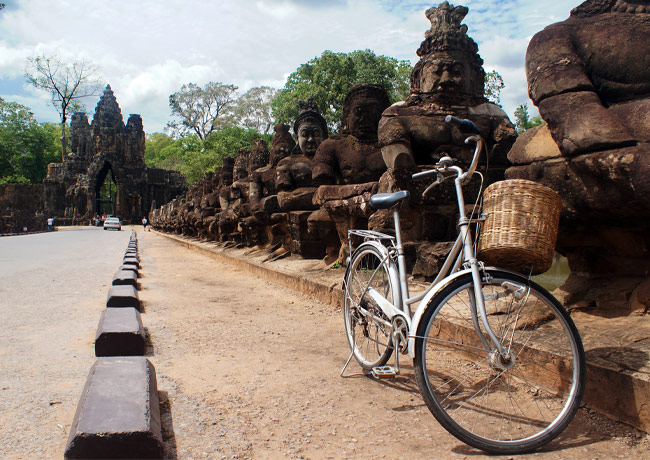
[{"x": 251, "y": 370}]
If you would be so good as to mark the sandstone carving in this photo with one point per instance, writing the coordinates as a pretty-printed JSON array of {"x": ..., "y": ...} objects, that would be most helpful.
[
  {"x": 107, "y": 150},
  {"x": 344, "y": 160},
  {"x": 590, "y": 78},
  {"x": 448, "y": 79}
]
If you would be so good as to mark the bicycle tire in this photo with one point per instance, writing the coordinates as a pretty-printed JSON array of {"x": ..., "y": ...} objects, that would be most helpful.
[
  {"x": 501, "y": 408},
  {"x": 369, "y": 339}
]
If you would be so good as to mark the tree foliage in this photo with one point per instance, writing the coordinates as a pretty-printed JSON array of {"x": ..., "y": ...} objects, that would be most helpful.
[
  {"x": 522, "y": 120},
  {"x": 26, "y": 147},
  {"x": 252, "y": 110},
  {"x": 201, "y": 111},
  {"x": 493, "y": 86},
  {"x": 66, "y": 83},
  {"x": 192, "y": 156},
  {"x": 329, "y": 77}
]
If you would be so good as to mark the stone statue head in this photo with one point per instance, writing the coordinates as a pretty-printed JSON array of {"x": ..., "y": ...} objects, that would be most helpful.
[
  {"x": 259, "y": 157},
  {"x": 362, "y": 110},
  {"x": 227, "y": 171},
  {"x": 310, "y": 128},
  {"x": 282, "y": 144},
  {"x": 240, "y": 168},
  {"x": 449, "y": 65}
]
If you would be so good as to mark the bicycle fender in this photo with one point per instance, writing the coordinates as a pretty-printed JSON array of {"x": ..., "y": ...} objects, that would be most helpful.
[
  {"x": 419, "y": 311},
  {"x": 392, "y": 268}
]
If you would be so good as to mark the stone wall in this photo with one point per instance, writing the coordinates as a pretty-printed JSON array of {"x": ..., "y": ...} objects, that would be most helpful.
[{"x": 22, "y": 205}]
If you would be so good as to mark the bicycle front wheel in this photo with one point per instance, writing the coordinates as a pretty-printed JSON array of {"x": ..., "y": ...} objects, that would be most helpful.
[
  {"x": 367, "y": 327},
  {"x": 500, "y": 405}
]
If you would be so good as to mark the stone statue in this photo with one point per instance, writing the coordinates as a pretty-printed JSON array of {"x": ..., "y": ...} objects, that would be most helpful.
[
  {"x": 295, "y": 186},
  {"x": 448, "y": 79},
  {"x": 310, "y": 128},
  {"x": 262, "y": 192},
  {"x": 262, "y": 182},
  {"x": 353, "y": 156},
  {"x": 349, "y": 165},
  {"x": 590, "y": 78}
]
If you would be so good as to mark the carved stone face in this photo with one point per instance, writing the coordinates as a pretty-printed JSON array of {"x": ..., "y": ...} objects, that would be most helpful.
[
  {"x": 280, "y": 151},
  {"x": 283, "y": 179},
  {"x": 364, "y": 117},
  {"x": 444, "y": 74},
  {"x": 310, "y": 136}
]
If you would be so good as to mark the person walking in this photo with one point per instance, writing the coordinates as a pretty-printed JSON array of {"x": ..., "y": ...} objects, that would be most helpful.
[
  {"x": 144, "y": 223},
  {"x": 50, "y": 224}
]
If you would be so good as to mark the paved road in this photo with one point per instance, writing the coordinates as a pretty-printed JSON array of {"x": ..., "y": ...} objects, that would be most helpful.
[{"x": 53, "y": 289}]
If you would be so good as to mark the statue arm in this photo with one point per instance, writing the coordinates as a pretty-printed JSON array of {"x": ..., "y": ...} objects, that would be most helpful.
[
  {"x": 560, "y": 86},
  {"x": 395, "y": 144},
  {"x": 324, "y": 164},
  {"x": 255, "y": 193}
]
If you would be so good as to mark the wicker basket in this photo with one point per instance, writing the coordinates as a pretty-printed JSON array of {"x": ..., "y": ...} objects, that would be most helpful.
[{"x": 520, "y": 230}]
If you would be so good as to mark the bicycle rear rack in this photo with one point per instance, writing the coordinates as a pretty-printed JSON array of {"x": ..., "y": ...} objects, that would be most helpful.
[{"x": 370, "y": 235}]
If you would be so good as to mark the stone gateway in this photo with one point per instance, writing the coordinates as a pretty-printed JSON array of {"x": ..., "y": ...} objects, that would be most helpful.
[{"x": 105, "y": 172}]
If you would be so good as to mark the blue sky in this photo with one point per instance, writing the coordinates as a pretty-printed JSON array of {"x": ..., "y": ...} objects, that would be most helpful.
[{"x": 147, "y": 49}]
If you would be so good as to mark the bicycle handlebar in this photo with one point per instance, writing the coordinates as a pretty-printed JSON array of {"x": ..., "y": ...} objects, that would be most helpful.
[
  {"x": 466, "y": 127},
  {"x": 423, "y": 174}
]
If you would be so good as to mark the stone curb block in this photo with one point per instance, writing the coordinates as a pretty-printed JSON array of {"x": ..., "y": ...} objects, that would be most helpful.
[
  {"x": 131, "y": 255},
  {"x": 125, "y": 278},
  {"x": 118, "y": 415},
  {"x": 132, "y": 268},
  {"x": 131, "y": 261},
  {"x": 123, "y": 296},
  {"x": 120, "y": 333}
]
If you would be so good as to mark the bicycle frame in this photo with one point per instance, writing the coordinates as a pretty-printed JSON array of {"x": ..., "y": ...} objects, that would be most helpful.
[{"x": 461, "y": 254}]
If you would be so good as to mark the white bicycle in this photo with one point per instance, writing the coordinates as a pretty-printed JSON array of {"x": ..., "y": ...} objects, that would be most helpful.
[{"x": 497, "y": 359}]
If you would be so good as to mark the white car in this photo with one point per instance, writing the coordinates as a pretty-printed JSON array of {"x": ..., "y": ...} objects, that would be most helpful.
[{"x": 112, "y": 222}]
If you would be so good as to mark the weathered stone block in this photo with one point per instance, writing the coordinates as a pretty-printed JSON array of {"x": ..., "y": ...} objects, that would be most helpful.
[
  {"x": 129, "y": 267},
  {"x": 133, "y": 255},
  {"x": 299, "y": 199},
  {"x": 120, "y": 333},
  {"x": 123, "y": 296},
  {"x": 270, "y": 204},
  {"x": 125, "y": 277},
  {"x": 118, "y": 414},
  {"x": 131, "y": 261}
]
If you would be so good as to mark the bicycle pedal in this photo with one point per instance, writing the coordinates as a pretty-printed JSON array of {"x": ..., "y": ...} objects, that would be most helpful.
[{"x": 384, "y": 372}]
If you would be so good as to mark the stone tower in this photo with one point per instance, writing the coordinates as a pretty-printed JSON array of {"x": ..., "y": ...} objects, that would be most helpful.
[{"x": 105, "y": 172}]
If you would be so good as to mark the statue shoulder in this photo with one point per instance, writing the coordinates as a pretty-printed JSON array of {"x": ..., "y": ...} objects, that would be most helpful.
[{"x": 488, "y": 108}]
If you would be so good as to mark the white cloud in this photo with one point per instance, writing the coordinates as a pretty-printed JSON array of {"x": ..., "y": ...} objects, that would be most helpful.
[{"x": 147, "y": 49}]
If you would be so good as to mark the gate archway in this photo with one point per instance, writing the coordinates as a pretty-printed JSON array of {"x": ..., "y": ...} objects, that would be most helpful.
[{"x": 105, "y": 191}]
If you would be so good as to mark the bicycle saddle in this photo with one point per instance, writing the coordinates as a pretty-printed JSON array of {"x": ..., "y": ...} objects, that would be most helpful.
[{"x": 388, "y": 200}]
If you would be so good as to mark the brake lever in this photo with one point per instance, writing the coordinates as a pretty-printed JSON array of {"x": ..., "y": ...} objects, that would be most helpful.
[{"x": 439, "y": 179}]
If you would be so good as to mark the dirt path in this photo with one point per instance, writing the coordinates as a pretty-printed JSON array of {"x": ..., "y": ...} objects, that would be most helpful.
[{"x": 251, "y": 370}]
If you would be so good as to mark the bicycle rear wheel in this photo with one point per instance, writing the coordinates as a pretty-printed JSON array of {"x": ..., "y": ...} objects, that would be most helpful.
[
  {"x": 367, "y": 328},
  {"x": 502, "y": 406}
]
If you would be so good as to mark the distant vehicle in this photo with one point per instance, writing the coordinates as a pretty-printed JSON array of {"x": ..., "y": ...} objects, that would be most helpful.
[{"x": 112, "y": 222}]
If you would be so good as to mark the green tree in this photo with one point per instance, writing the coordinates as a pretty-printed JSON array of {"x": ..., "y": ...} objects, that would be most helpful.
[
  {"x": 252, "y": 110},
  {"x": 522, "y": 120},
  {"x": 194, "y": 157},
  {"x": 66, "y": 83},
  {"x": 199, "y": 110},
  {"x": 329, "y": 77},
  {"x": 493, "y": 86},
  {"x": 26, "y": 147}
]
